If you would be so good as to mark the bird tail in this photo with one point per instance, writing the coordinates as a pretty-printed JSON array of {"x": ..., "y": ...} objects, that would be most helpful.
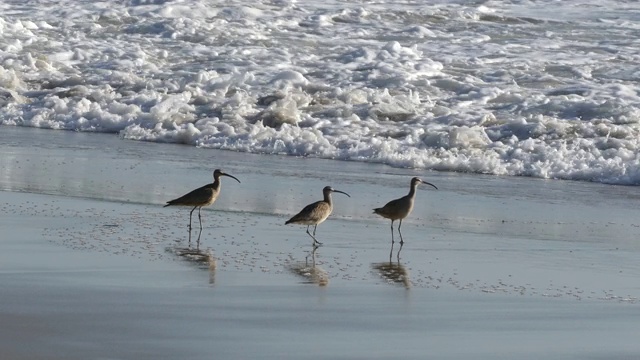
[
  {"x": 168, "y": 204},
  {"x": 377, "y": 210}
]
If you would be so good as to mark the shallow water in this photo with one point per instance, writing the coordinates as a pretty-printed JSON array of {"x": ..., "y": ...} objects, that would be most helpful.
[
  {"x": 79, "y": 292},
  {"x": 491, "y": 268}
]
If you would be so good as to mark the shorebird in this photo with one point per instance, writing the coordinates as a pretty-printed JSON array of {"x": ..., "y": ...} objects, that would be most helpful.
[
  {"x": 202, "y": 196},
  {"x": 399, "y": 209},
  {"x": 316, "y": 213}
]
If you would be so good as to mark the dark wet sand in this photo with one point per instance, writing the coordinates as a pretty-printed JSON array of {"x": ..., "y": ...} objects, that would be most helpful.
[{"x": 493, "y": 268}]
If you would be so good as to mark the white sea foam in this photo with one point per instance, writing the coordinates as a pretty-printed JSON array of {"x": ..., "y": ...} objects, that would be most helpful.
[{"x": 535, "y": 88}]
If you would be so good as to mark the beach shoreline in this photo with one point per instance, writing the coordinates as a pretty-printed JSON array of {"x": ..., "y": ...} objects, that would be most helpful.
[{"x": 512, "y": 263}]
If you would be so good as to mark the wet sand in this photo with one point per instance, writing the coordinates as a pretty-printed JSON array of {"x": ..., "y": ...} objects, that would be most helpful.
[{"x": 93, "y": 267}]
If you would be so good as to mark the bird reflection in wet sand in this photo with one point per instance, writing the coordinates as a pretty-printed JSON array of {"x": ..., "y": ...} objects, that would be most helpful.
[
  {"x": 309, "y": 270},
  {"x": 393, "y": 272},
  {"x": 201, "y": 258}
]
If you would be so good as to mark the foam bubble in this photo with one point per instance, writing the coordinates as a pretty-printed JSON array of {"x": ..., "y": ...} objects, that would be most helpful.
[{"x": 506, "y": 89}]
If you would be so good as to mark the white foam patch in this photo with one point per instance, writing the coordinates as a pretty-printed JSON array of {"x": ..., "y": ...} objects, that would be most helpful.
[{"x": 502, "y": 88}]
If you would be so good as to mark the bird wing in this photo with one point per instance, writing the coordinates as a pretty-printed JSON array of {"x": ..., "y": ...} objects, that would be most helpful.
[
  {"x": 311, "y": 213},
  {"x": 196, "y": 197},
  {"x": 392, "y": 208}
]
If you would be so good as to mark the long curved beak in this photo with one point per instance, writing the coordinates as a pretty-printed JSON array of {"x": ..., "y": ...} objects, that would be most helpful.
[
  {"x": 424, "y": 182},
  {"x": 341, "y": 192},
  {"x": 231, "y": 176}
]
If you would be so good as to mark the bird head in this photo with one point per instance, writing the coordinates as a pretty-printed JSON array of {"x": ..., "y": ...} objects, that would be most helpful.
[
  {"x": 329, "y": 190},
  {"x": 217, "y": 173},
  {"x": 416, "y": 180}
]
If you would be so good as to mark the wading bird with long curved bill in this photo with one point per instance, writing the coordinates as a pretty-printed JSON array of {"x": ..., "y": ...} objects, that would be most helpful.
[
  {"x": 316, "y": 213},
  {"x": 399, "y": 209},
  {"x": 202, "y": 196}
]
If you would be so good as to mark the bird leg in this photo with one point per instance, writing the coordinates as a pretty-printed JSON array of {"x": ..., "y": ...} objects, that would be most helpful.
[
  {"x": 401, "y": 241},
  {"x": 200, "y": 233},
  {"x": 189, "y": 227},
  {"x": 392, "y": 232},
  {"x": 314, "y": 229},
  {"x": 200, "y": 217},
  {"x": 315, "y": 241}
]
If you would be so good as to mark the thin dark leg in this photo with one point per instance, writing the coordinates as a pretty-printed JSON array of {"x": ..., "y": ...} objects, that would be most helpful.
[
  {"x": 392, "y": 232},
  {"x": 189, "y": 228},
  {"x": 391, "y": 253},
  {"x": 401, "y": 241},
  {"x": 314, "y": 229},
  {"x": 315, "y": 241},
  {"x": 200, "y": 233}
]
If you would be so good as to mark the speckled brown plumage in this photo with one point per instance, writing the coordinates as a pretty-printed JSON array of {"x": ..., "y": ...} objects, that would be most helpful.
[{"x": 315, "y": 213}]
